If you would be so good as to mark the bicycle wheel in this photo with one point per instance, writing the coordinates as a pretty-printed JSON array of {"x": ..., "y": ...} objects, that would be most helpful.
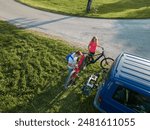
[
  {"x": 106, "y": 63},
  {"x": 70, "y": 80}
]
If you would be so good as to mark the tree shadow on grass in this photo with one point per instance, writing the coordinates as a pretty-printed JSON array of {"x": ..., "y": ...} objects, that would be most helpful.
[
  {"x": 122, "y": 6},
  {"x": 80, "y": 105},
  {"x": 8, "y": 29}
]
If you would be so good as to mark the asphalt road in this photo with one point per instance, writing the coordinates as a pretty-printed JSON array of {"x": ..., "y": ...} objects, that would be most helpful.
[{"x": 116, "y": 36}]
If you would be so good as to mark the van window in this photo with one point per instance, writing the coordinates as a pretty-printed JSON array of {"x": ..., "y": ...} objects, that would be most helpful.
[{"x": 131, "y": 99}]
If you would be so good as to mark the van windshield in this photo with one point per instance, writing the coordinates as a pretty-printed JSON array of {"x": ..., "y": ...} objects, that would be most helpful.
[{"x": 132, "y": 99}]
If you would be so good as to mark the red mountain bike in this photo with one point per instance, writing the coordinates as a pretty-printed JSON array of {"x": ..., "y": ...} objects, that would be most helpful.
[{"x": 74, "y": 74}]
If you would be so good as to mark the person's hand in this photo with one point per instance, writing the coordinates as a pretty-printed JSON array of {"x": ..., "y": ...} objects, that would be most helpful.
[
  {"x": 76, "y": 66},
  {"x": 98, "y": 45}
]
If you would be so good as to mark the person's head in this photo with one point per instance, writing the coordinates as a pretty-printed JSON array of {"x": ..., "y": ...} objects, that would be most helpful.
[
  {"x": 78, "y": 53},
  {"x": 94, "y": 39}
]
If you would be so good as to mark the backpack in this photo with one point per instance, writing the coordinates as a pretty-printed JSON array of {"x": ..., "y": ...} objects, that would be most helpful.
[{"x": 69, "y": 56}]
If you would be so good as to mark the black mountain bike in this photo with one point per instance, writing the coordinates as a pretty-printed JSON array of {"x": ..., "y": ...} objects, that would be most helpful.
[{"x": 105, "y": 63}]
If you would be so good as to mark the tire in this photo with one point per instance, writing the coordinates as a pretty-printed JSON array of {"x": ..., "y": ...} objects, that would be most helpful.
[
  {"x": 106, "y": 63},
  {"x": 70, "y": 80}
]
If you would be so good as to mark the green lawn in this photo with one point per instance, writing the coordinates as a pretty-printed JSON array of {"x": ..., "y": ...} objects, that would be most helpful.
[
  {"x": 32, "y": 74},
  {"x": 100, "y": 8}
]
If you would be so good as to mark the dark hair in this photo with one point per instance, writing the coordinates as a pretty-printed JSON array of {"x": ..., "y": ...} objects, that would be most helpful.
[
  {"x": 94, "y": 38},
  {"x": 78, "y": 52}
]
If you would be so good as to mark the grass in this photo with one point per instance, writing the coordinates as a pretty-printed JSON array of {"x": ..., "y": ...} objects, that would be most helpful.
[
  {"x": 33, "y": 71},
  {"x": 100, "y": 8}
]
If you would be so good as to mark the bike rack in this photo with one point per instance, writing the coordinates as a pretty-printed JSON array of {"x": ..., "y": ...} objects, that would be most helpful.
[{"x": 91, "y": 82}]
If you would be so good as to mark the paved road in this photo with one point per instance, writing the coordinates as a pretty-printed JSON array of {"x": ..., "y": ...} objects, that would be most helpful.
[{"x": 132, "y": 36}]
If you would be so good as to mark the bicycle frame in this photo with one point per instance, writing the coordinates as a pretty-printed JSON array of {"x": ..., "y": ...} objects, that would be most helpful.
[
  {"x": 100, "y": 55},
  {"x": 76, "y": 70}
]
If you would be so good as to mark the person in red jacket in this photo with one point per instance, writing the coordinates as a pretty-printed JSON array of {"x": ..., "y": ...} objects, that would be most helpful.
[{"x": 93, "y": 45}]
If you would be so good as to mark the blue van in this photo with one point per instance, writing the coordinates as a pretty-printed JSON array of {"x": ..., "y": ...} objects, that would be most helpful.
[{"x": 127, "y": 86}]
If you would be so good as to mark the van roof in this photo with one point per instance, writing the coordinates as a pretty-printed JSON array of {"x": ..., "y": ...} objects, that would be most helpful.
[{"x": 133, "y": 69}]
